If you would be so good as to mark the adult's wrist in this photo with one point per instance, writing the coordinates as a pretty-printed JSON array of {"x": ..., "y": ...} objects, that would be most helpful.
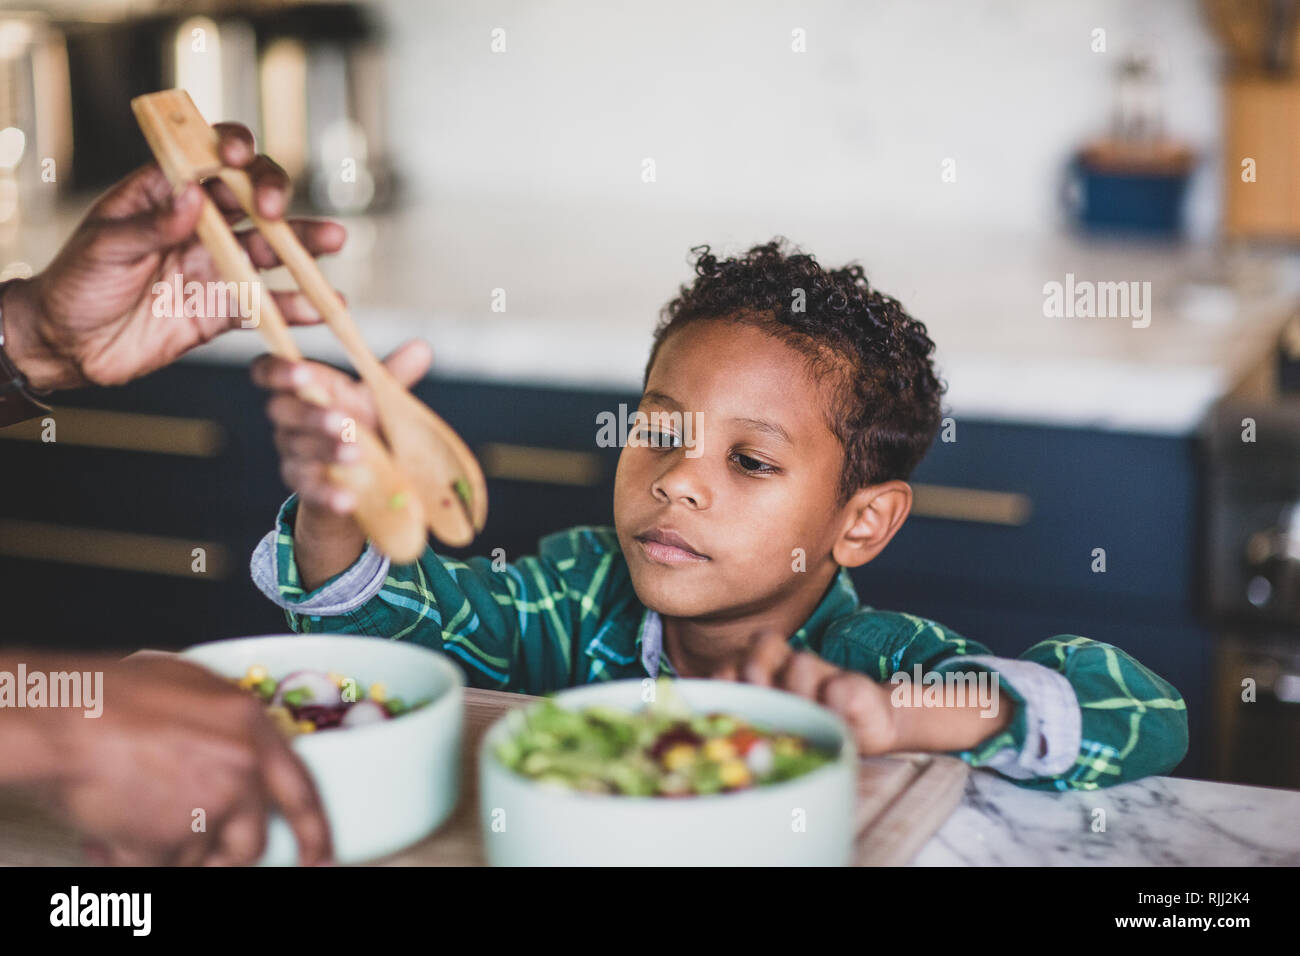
[
  {"x": 36, "y": 743},
  {"x": 24, "y": 345}
]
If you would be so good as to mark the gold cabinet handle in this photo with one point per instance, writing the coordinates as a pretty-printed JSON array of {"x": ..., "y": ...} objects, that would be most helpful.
[
  {"x": 124, "y": 431},
  {"x": 971, "y": 504},
  {"x": 546, "y": 465},
  {"x": 119, "y": 550}
]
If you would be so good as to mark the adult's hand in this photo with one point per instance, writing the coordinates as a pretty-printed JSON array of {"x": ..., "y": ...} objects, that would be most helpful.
[
  {"x": 88, "y": 318},
  {"x": 172, "y": 739}
]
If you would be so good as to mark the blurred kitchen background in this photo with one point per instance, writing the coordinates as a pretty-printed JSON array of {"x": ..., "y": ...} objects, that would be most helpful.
[{"x": 562, "y": 158}]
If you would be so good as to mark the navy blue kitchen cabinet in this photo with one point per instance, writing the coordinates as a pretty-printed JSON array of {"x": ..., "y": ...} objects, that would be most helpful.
[{"x": 96, "y": 534}]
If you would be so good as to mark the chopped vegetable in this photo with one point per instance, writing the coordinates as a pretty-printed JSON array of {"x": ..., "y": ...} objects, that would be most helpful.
[
  {"x": 307, "y": 702},
  {"x": 664, "y": 750},
  {"x": 462, "y": 489},
  {"x": 364, "y": 712},
  {"x": 297, "y": 697}
]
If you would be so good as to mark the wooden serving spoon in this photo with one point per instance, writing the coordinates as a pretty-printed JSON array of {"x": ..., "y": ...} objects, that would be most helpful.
[
  {"x": 388, "y": 508},
  {"x": 446, "y": 475},
  {"x": 443, "y": 471}
]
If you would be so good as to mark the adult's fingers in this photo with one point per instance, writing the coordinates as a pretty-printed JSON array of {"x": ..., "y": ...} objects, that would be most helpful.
[
  {"x": 295, "y": 307},
  {"x": 272, "y": 188},
  {"x": 96, "y": 852},
  {"x": 142, "y": 190},
  {"x": 195, "y": 848},
  {"x": 241, "y": 837},
  {"x": 122, "y": 854},
  {"x": 319, "y": 237},
  {"x": 234, "y": 144},
  {"x": 271, "y": 191},
  {"x": 153, "y": 230},
  {"x": 291, "y": 789}
]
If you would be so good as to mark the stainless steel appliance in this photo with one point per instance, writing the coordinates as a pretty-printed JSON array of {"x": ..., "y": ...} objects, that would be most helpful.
[
  {"x": 1252, "y": 448},
  {"x": 309, "y": 78}
]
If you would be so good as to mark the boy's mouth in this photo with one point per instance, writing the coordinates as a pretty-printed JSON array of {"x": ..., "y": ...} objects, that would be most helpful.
[{"x": 668, "y": 547}]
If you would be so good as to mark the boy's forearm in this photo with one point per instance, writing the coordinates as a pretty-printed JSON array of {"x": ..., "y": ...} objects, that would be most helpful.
[
  {"x": 941, "y": 729},
  {"x": 324, "y": 544}
]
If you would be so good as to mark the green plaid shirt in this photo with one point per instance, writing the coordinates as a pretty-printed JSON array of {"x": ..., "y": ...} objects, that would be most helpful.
[{"x": 570, "y": 616}]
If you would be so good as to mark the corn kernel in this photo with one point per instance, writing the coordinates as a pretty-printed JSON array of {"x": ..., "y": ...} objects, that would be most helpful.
[
  {"x": 282, "y": 719},
  {"x": 678, "y": 756},
  {"x": 720, "y": 749},
  {"x": 335, "y": 679},
  {"x": 305, "y": 727},
  {"x": 378, "y": 693},
  {"x": 247, "y": 682},
  {"x": 256, "y": 674},
  {"x": 734, "y": 773},
  {"x": 786, "y": 745}
]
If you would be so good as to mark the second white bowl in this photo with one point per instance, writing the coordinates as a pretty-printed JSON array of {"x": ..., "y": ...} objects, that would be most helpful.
[
  {"x": 384, "y": 785},
  {"x": 805, "y": 821}
]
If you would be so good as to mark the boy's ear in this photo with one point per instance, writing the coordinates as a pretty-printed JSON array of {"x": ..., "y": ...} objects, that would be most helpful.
[{"x": 872, "y": 517}]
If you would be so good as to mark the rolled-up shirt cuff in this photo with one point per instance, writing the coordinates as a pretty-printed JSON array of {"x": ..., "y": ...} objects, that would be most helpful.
[
  {"x": 1053, "y": 720},
  {"x": 343, "y": 593}
]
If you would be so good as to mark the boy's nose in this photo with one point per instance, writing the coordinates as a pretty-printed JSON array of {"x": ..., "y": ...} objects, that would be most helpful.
[{"x": 682, "y": 482}]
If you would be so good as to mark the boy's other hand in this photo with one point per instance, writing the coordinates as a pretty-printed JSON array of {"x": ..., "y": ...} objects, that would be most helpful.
[
  {"x": 862, "y": 703},
  {"x": 311, "y": 437}
]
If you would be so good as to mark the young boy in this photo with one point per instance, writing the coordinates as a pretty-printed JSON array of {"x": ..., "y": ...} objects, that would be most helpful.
[{"x": 785, "y": 407}]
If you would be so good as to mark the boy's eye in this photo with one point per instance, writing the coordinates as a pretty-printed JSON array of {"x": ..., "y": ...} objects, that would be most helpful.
[
  {"x": 754, "y": 466},
  {"x": 657, "y": 439}
]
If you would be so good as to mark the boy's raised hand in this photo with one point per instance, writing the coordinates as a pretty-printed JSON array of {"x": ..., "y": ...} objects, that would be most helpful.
[
  {"x": 311, "y": 437},
  {"x": 862, "y": 703}
]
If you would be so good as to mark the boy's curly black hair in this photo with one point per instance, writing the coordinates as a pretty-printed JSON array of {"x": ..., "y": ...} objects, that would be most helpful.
[{"x": 884, "y": 402}]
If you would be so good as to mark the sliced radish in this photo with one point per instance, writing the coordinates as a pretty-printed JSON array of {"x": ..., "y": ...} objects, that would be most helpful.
[
  {"x": 321, "y": 690},
  {"x": 364, "y": 712},
  {"x": 760, "y": 758}
]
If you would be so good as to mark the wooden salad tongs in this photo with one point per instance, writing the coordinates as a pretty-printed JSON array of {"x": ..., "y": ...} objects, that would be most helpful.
[{"x": 425, "y": 475}]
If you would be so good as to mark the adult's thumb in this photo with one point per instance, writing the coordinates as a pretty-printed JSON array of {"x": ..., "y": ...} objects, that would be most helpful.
[{"x": 409, "y": 361}]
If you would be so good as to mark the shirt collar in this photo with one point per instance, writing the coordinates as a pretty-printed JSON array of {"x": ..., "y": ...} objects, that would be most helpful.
[{"x": 650, "y": 638}]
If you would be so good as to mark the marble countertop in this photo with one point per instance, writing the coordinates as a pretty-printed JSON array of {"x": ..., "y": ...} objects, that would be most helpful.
[{"x": 1157, "y": 821}]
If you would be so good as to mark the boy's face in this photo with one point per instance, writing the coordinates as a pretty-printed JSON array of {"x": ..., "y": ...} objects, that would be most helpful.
[{"x": 749, "y": 497}]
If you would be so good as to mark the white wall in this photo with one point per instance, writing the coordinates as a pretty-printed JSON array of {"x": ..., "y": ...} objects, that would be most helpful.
[{"x": 712, "y": 92}]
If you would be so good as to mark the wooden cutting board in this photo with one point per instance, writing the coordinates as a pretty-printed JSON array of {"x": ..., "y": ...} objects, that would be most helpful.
[{"x": 902, "y": 800}]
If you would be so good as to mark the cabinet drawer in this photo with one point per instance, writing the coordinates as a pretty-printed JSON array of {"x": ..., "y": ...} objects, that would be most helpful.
[{"x": 1067, "y": 492}]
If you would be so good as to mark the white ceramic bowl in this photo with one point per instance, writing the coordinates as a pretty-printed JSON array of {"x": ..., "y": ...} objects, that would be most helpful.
[
  {"x": 385, "y": 785},
  {"x": 806, "y": 821}
]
